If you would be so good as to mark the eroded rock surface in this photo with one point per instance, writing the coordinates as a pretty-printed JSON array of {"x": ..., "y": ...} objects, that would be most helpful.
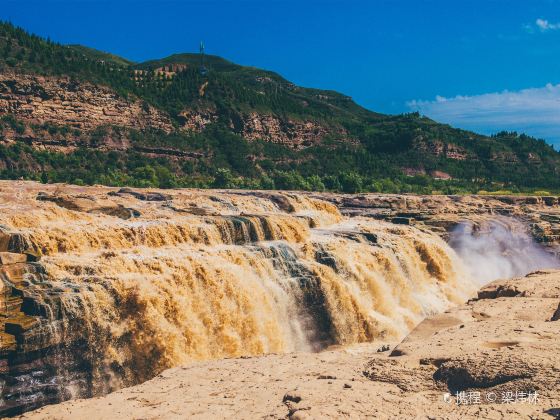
[
  {"x": 106, "y": 288},
  {"x": 490, "y": 346},
  {"x": 441, "y": 214},
  {"x": 64, "y": 101}
]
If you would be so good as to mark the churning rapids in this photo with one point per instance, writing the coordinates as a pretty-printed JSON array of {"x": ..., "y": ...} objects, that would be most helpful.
[{"x": 132, "y": 283}]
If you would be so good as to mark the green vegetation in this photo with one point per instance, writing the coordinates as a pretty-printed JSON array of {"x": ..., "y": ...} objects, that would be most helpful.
[
  {"x": 365, "y": 151},
  {"x": 88, "y": 166}
]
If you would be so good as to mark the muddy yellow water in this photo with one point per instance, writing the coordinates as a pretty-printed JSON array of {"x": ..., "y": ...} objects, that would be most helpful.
[{"x": 206, "y": 275}]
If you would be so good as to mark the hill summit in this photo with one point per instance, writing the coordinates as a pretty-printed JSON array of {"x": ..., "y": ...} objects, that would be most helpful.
[{"x": 69, "y": 113}]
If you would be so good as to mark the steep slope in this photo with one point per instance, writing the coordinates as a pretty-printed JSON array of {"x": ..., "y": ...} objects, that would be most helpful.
[{"x": 74, "y": 114}]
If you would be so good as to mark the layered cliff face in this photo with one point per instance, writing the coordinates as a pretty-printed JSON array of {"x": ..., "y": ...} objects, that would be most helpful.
[
  {"x": 77, "y": 108},
  {"x": 131, "y": 282},
  {"x": 65, "y": 102},
  {"x": 291, "y": 133}
]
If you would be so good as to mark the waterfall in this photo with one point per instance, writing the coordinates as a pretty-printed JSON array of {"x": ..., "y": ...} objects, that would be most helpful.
[
  {"x": 151, "y": 294},
  {"x": 120, "y": 300}
]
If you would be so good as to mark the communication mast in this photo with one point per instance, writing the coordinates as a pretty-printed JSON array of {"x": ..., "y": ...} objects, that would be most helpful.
[{"x": 203, "y": 70}]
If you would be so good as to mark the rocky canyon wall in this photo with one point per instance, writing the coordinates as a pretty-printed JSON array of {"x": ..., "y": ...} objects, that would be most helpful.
[{"x": 65, "y": 102}]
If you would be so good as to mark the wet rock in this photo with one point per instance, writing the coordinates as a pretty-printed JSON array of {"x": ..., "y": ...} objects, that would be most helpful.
[
  {"x": 556, "y": 315},
  {"x": 550, "y": 201},
  {"x": 322, "y": 256},
  {"x": 32, "y": 256},
  {"x": 402, "y": 220},
  {"x": 144, "y": 196},
  {"x": 197, "y": 211},
  {"x": 280, "y": 200},
  {"x": 17, "y": 243},
  {"x": 4, "y": 240},
  {"x": 384, "y": 348},
  {"x": 17, "y": 326},
  {"x": 292, "y": 396},
  {"x": 87, "y": 204},
  {"x": 117, "y": 211},
  {"x": 12, "y": 258}
]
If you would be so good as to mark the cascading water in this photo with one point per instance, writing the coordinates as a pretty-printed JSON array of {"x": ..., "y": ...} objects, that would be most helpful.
[
  {"x": 123, "y": 299},
  {"x": 152, "y": 307}
]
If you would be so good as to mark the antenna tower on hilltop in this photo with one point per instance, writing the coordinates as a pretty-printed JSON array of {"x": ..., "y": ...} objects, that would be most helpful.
[{"x": 203, "y": 69}]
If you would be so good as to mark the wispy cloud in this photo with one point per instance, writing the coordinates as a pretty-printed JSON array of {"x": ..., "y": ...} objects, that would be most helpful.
[
  {"x": 535, "y": 111},
  {"x": 544, "y": 25},
  {"x": 541, "y": 25}
]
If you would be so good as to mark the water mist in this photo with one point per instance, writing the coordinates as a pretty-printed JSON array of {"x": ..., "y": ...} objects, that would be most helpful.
[{"x": 499, "y": 248}]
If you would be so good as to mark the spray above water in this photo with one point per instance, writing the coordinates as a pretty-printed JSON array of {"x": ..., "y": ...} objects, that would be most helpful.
[{"x": 499, "y": 248}]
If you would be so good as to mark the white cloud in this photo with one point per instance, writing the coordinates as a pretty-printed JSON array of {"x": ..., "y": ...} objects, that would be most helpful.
[
  {"x": 541, "y": 25},
  {"x": 544, "y": 25},
  {"x": 535, "y": 111}
]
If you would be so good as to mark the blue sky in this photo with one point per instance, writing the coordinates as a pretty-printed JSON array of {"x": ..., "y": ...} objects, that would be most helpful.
[{"x": 479, "y": 64}]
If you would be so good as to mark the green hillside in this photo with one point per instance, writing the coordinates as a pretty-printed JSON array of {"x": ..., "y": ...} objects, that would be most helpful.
[
  {"x": 362, "y": 150},
  {"x": 93, "y": 54}
]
